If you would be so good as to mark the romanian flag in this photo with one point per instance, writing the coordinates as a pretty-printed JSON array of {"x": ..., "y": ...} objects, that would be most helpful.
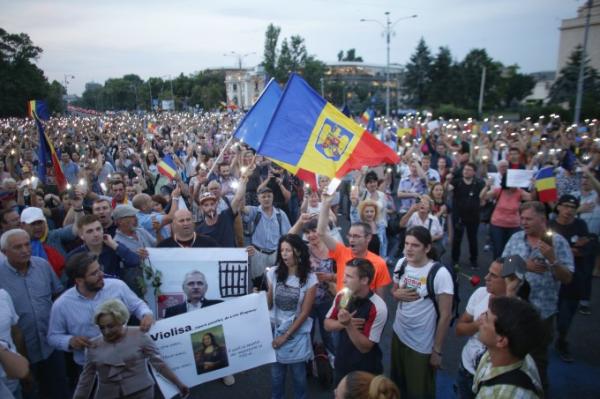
[
  {"x": 368, "y": 117},
  {"x": 38, "y": 110},
  {"x": 167, "y": 167},
  {"x": 308, "y": 133},
  {"x": 253, "y": 127},
  {"x": 545, "y": 184}
]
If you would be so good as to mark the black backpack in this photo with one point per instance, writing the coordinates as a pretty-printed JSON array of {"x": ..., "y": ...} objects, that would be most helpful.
[
  {"x": 430, "y": 290},
  {"x": 516, "y": 377}
]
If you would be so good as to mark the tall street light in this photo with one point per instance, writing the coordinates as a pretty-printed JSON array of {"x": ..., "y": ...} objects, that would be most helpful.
[
  {"x": 388, "y": 32},
  {"x": 239, "y": 56}
]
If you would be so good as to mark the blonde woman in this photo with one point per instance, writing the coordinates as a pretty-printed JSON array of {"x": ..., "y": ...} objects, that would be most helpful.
[{"x": 119, "y": 357}]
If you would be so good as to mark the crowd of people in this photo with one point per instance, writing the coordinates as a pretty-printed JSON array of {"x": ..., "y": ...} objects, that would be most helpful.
[{"x": 72, "y": 264}]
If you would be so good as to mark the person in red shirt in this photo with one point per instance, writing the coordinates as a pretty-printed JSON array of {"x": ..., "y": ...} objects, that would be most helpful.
[{"x": 359, "y": 236}]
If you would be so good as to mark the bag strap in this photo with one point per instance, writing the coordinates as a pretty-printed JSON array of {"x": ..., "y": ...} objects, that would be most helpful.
[
  {"x": 258, "y": 217},
  {"x": 402, "y": 269},
  {"x": 516, "y": 377},
  {"x": 430, "y": 288}
]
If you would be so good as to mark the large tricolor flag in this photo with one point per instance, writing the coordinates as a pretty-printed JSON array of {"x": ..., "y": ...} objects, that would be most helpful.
[
  {"x": 308, "y": 133},
  {"x": 253, "y": 127},
  {"x": 38, "y": 110},
  {"x": 545, "y": 185},
  {"x": 167, "y": 167}
]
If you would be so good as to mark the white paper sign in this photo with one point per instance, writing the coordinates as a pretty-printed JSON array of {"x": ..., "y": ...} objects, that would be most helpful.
[
  {"x": 225, "y": 271},
  {"x": 496, "y": 179},
  {"x": 214, "y": 342},
  {"x": 519, "y": 177}
]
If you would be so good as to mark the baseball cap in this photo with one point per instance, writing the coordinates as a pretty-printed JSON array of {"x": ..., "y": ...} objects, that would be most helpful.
[
  {"x": 514, "y": 264},
  {"x": 264, "y": 189},
  {"x": 32, "y": 214},
  {"x": 123, "y": 211},
  {"x": 206, "y": 196},
  {"x": 568, "y": 199}
]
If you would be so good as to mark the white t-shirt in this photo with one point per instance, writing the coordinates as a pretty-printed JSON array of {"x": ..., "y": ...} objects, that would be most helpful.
[
  {"x": 415, "y": 321},
  {"x": 286, "y": 296},
  {"x": 435, "y": 229},
  {"x": 474, "y": 349},
  {"x": 8, "y": 318}
]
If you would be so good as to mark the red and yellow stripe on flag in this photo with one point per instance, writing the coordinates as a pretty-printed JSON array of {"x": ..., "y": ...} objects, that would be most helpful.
[
  {"x": 167, "y": 167},
  {"x": 310, "y": 134},
  {"x": 545, "y": 185}
]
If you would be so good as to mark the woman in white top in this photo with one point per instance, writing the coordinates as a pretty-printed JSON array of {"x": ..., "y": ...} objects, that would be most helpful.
[
  {"x": 419, "y": 330},
  {"x": 291, "y": 295}
]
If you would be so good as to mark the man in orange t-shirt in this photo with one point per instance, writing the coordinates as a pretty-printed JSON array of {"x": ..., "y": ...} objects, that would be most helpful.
[{"x": 359, "y": 236}]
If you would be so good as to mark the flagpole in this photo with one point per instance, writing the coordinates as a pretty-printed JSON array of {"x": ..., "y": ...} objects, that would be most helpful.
[{"x": 212, "y": 168}]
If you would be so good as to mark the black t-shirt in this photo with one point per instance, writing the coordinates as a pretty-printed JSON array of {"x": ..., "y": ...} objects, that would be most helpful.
[
  {"x": 222, "y": 231},
  {"x": 572, "y": 232},
  {"x": 201, "y": 241},
  {"x": 465, "y": 200}
]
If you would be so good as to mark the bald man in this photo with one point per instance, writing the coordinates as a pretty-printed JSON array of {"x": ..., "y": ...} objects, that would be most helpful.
[{"x": 184, "y": 235}]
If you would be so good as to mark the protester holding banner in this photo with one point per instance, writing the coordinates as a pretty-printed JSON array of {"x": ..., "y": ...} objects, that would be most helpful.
[
  {"x": 291, "y": 295},
  {"x": 119, "y": 359}
]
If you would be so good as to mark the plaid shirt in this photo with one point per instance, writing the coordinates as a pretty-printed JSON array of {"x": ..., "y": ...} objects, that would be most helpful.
[
  {"x": 544, "y": 287},
  {"x": 485, "y": 371}
]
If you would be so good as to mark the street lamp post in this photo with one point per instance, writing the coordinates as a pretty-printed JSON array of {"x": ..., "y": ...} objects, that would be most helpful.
[
  {"x": 239, "y": 56},
  {"x": 388, "y": 32}
]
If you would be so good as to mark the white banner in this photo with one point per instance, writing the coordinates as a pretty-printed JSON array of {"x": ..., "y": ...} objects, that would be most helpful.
[
  {"x": 225, "y": 271},
  {"x": 519, "y": 177},
  {"x": 214, "y": 342}
]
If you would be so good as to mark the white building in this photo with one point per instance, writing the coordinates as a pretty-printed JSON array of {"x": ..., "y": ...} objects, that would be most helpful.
[
  {"x": 571, "y": 35},
  {"x": 541, "y": 90},
  {"x": 243, "y": 86}
]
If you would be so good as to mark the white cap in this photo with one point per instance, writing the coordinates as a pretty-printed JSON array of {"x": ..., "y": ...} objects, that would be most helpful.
[{"x": 32, "y": 214}]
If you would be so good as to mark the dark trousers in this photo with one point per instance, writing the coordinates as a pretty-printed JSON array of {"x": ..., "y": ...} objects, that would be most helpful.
[
  {"x": 318, "y": 313},
  {"x": 459, "y": 229},
  {"x": 540, "y": 353},
  {"x": 500, "y": 236},
  {"x": 464, "y": 383},
  {"x": 50, "y": 378},
  {"x": 566, "y": 311}
]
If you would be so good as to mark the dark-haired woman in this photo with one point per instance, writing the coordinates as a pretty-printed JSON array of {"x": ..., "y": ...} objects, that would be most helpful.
[
  {"x": 210, "y": 356},
  {"x": 419, "y": 331},
  {"x": 291, "y": 295}
]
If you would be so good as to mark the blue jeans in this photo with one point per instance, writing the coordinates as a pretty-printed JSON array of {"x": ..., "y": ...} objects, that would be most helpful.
[
  {"x": 278, "y": 373},
  {"x": 319, "y": 311},
  {"x": 500, "y": 236},
  {"x": 464, "y": 383}
]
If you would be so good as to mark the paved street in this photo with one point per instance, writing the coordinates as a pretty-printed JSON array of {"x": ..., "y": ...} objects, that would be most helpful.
[{"x": 577, "y": 380}]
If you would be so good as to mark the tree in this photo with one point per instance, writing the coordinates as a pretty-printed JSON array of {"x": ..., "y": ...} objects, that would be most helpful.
[
  {"x": 270, "y": 53},
  {"x": 514, "y": 86},
  {"x": 418, "y": 76},
  {"x": 469, "y": 73},
  {"x": 442, "y": 77},
  {"x": 350, "y": 56},
  {"x": 564, "y": 89},
  {"x": 20, "y": 79}
]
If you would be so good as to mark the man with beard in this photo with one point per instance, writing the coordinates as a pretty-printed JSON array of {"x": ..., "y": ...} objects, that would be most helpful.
[
  {"x": 32, "y": 285},
  {"x": 72, "y": 330},
  {"x": 220, "y": 226}
]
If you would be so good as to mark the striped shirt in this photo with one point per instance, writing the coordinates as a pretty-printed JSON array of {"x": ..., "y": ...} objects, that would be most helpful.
[
  {"x": 485, "y": 371},
  {"x": 31, "y": 294},
  {"x": 72, "y": 314}
]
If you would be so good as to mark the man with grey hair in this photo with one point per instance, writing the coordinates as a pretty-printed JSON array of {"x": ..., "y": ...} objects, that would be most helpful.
[
  {"x": 32, "y": 285},
  {"x": 195, "y": 287}
]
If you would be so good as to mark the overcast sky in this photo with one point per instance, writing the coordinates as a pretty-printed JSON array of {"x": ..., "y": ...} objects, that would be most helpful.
[{"x": 95, "y": 40}]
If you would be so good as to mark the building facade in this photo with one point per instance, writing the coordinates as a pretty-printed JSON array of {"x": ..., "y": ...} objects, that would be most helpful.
[
  {"x": 243, "y": 86},
  {"x": 571, "y": 35}
]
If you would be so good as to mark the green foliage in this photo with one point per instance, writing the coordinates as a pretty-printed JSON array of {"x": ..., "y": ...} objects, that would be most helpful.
[
  {"x": 564, "y": 89},
  {"x": 292, "y": 56},
  {"x": 20, "y": 79},
  {"x": 450, "y": 111},
  {"x": 206, "y": 89},
  {"x": 435, "y": 80},
  {"x": 349, "y": 56}
]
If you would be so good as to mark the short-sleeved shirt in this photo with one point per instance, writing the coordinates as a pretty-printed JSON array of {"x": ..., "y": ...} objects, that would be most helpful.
[
  {"x": 268, "y": 230},
  {"x": 416, "y": 321},
  {"x": 31, "y": 294},
  {"x": 432, "y": 223},
  {"x": 486, "y": 371},
  {"x": 287, "y": 295},
  {"x": 474, "y": 348},
  {"x": 544, "y": 287},
  {"x": 342, "y": 254},
  {"x": 222, "y": 231},
  {"x": 348, "y": 358},
  {"x": 506, "y": 210},
  {"x": 412, "y": 185}
]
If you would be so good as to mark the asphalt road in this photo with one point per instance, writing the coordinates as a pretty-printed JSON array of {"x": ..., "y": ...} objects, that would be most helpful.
[{"x": 577, "y": 380}]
